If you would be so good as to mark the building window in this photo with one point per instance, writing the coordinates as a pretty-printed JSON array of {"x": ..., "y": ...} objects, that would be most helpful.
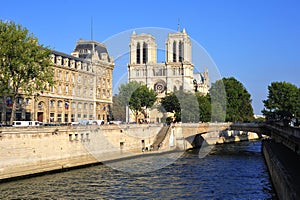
[
  {"x": 79, "y": 78},
  {"x": 67, "y": 89},
  {"x": 78, "y": 91},
  {"x": 19, "y": 101},
  {"x": 85, "y": 106},
  {"x": 59, "y": 117},
  {"x": 91, "y": 106},
  {"x": 79, "y": 106},
  {"x": 181, "y": 50},
  {"x": 98, "y": 93},
  {"x": 91, "y": 92},
  {"x": 28, "y": 101},
  {"x": 66, "y": 117},
  {"x": 58, "y": 74},
  {"x": 174, "y": 51},
  {"x": 145, "y": 53},
  {"x": 51, "y": 117},
  {"x": 78, "y": 116},
  {"x": 73, "y": 90},
  {"x": 138, "y": 53},
  {"x": 59, "y": 89},
  {"x": 84, "y": 116},
  {"x": 137, "y": 72},
  {"x": 73, "y": 77},
  {"x": 73, "y": 105},
  {"x": 67, "y": 76},
  {"x": 91, "y": 117},
  {"x": 52, "y": 102},
  {"x": 59, "y": 104},
  {"x": 72, "y": 118},
  {"x": 40, "y": 105}
]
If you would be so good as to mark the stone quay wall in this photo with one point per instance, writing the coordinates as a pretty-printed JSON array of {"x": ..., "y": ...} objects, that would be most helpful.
[
  {"x": 35, "y": 150},
  {"x": 283, "y": 165}
]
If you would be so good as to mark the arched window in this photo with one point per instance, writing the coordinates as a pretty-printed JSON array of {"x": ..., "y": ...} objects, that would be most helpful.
[
  {"x": 145, "y": 53},
  {"x": 181, "y": 50},
  {"x": 138, "y": 53},
  {"x": 174, "y": 51}
]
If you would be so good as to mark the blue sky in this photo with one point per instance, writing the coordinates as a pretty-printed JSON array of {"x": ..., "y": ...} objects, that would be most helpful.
[{"x": 255, "y": 41}]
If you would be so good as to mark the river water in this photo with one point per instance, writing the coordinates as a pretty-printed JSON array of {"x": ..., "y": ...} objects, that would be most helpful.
[{"x": 231, "y": 171}]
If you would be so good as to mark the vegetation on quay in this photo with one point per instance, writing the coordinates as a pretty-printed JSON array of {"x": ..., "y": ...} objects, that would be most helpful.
[
  {"x": 228, "y": 100},
  {"x": 24, "y": 64},
  {"x": 282, "y": 103}
]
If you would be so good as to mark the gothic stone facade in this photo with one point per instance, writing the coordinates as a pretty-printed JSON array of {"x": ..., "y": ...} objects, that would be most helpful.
[
  {"x": 176, "y": 73},
  {"x": 83, "y": 89}
]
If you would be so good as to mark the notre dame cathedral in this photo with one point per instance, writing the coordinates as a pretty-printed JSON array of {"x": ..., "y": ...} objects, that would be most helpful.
[{"x": 176, "y": 73}]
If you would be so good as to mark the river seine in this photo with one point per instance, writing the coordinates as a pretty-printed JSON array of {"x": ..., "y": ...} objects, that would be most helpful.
[{"x": 231, "y": 171}]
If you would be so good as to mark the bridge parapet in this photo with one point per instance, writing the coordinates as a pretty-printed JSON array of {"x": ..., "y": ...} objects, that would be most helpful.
[
  {"x": 289, "y": 136},
  {"x": 192, "y": 129}
]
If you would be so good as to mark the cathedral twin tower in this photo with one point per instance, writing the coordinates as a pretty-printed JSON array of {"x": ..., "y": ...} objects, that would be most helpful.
[{"x": 176, "y": 73}]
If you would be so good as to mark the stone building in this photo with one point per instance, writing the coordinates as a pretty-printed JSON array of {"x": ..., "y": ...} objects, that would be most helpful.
[
  {"x": 176, "y": 73},
  {"x": 83, "y": 89}
]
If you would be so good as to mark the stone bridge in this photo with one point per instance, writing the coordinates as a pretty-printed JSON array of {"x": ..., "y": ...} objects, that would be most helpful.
[
  {"x": 289, "y": 136},
  {"x": 192, "y": 129}
]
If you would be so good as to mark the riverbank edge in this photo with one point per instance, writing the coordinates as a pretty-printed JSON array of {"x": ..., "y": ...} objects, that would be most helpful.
[
  {"x": 285, "y": 180},
  {"x": 87, "y": 162}
]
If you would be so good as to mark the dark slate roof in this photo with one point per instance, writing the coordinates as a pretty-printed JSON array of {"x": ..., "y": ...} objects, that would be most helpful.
[
  {"x": 64, "y": 55},
  {"x": 88, "y": 45}
]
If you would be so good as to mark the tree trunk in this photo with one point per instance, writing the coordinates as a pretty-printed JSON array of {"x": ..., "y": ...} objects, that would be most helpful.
[
  {"x": 136, "y": 117},
  {"x": 13, "y": 109}
]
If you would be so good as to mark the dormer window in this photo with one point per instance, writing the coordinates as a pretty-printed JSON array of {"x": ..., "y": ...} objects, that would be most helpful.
[
  {"x": 78, "y": 64},
  {"x": 52, "y": 58},
  {"x": 72, "y": 62},
  {"x": 66, "y": 62},
  {"x": 58, "y": 60}
]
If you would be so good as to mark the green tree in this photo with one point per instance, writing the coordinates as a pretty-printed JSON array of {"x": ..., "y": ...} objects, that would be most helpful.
[
  {"x": 141, "y": 99},
  {"x": 230, "y": 101},
  {"x": 118, "y": 110},
  {"x": 126, "y": 90},
  {"x": 171, "y": 104},
  {"x": 282, "y": 102},
  {"x": 218, "y": 101},
  {"x": 25, "y": 64},
  {"x": 239, "y": 107},
  {"x": 204, "y": 107},
  {"x": 183, "y": 105}
]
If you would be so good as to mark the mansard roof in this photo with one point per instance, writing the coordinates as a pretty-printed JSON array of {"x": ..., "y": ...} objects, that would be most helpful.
[
  {"x": 86, "y": 47},
  {"x": 64, "y": 55}
]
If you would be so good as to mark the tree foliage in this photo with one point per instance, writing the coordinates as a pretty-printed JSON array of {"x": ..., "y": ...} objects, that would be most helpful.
[
  {"x": 239, "y": 107},
  {"x": 204, "y": 107},
  {"x": 25, "y": 64},
  {"x": 218, "y": 101},
  {"x": 118, "y": 110},
  {"x": 231, "y": 97},
  {"x": 141, "y": 99},
  {"x": 282, "y": 102},
  {"x": 126, "y": 90},
  {"x": 171, "y": 104},
  {"x": 184, "y": 106}
]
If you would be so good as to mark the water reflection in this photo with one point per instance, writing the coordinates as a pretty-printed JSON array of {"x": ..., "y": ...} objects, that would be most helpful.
[{"x": 233, "y": 171}]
